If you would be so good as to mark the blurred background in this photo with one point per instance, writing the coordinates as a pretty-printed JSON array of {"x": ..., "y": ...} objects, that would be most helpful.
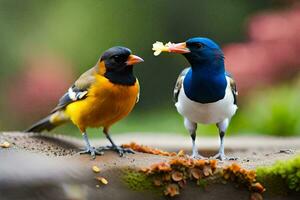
[{"x": 46, "y": 45}]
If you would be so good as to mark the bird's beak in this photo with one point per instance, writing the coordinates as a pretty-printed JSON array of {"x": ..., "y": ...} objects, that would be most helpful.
[
  {"x": 133, "y": 59},
  {"x": 179, "y": 48}
]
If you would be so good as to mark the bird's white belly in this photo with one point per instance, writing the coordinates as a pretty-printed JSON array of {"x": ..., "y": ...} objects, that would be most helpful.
[{"x": 207, "y": 113}]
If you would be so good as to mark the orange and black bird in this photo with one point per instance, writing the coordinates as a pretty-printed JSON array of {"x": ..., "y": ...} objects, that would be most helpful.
[{"x": 100, "y": 97}]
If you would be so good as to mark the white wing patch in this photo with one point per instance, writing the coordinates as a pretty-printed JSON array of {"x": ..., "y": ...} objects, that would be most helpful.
[
  {"x": 76, "y": 95},
  {"x": 137, "y": 98}
]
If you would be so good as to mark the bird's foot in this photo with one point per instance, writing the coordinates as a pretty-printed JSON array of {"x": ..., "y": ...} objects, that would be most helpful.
[
  {"x": 91, "y": 150},
  {"x": 222, "y": 157},
  {"x": 286, "y": 151},
  {"x": 197, "y": 156},
  {"x": 120, "y": 150}
]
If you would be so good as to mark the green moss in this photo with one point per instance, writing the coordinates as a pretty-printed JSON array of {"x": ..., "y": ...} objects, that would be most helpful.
[
  {"x": 282, "y": 177},
  {"x": 202, "y": 183},
  {"x": 137, "y": 181}
]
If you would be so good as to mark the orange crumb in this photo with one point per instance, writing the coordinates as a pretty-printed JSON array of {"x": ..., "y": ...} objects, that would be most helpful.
[
  {"x": 145, "y": 149},
  {"x": 172, "y": 190},
  {"x": 196, "y": 173},
  {"x": 177, "y": 176}
]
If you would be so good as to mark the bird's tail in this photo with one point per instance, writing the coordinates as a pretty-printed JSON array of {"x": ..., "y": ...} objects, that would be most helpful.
[{"x": 48, "y": 123}]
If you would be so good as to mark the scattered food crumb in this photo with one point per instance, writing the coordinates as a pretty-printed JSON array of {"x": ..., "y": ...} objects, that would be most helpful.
[
  {"x": 96, "y": 169},
  {"x": 97, "y": 186},
  {"x": 102, "y": 180},
  {"x": 145, "y": 149},
  {"x": 173, "y": 175},
  {"x": 5, "y": 145}
]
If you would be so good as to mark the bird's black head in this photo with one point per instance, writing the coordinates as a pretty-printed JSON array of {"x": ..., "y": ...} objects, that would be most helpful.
[
  {"x": 118, "y": 58},
  {"x": 118, "y": 63}
]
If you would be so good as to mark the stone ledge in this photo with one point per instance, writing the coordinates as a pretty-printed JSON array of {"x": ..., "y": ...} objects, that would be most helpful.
[{"x": 42, "y": 166}]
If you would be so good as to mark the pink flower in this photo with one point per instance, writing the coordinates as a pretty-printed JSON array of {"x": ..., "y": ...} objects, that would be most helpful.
[
  {"x": 34, "y": 91},
  {"x": 273, "y": 52}
]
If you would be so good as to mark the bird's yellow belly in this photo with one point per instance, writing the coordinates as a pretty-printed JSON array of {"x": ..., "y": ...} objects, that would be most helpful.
[{"x": 105, "y": 104}]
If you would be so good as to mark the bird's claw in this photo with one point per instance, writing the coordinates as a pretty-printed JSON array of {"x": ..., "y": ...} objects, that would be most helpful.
[
  {"x": 120, "y": 150},
  {"x": 92, "y": 150},
  {"x": 222, "y": 157}
]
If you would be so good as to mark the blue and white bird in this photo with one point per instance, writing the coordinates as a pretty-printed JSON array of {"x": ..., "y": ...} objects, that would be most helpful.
[{"x": 204, "y": 93}]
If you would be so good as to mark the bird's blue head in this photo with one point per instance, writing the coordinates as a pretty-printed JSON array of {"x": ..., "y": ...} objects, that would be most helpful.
[{"x": 200, "y": 52}]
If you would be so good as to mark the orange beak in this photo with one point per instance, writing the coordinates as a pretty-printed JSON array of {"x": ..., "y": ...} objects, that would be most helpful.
[
  {"x": 179, "y": 48},
  {"x": 133, "y": 59}
]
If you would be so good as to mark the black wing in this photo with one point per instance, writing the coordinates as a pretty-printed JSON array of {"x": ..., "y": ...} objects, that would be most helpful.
[
  {"x": 78, "y": 91},
  {"x": 73, "y": 94},
  {"x": 233, "y": 87},
  {"x": 178, "y": 84}
]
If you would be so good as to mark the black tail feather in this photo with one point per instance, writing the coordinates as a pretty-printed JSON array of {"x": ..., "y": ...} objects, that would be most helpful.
[{"x": 42, "y": 125}]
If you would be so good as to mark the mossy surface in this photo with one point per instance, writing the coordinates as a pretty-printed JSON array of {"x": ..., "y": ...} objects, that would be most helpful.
[
  {"x": 138, "y": 181},
  {"x": 281, "y": 178}
]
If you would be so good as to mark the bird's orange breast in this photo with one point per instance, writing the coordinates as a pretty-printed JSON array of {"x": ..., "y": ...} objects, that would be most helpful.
[{"x": 105, "y": 104}]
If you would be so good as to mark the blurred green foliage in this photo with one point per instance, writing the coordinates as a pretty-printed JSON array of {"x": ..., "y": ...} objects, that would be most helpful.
[
  {"x": 274, "y": 111},
  {"x": 82, "y": 30}
]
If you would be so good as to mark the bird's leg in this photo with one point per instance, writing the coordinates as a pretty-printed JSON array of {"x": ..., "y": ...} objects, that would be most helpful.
[
  {"x": 195, "y": 153},
  {"x": 221, "y": 155},
  {"x": 88, "y": 148},
  {"x": 222, "y": 126},
  {"x": 192, "y": 127},
  {"x": 120, "y": 150}
]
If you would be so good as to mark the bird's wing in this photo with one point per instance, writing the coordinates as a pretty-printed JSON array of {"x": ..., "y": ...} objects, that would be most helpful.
[
  {"x": 78, "y": 91},
  {"x": 138, "y": 95},
  {"x": 233, "y": 87},
  {"x": 178, "y": 84}
]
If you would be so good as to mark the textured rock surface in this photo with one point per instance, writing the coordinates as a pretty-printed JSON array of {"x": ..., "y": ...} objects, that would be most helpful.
[{"x": 48, "y": 167}]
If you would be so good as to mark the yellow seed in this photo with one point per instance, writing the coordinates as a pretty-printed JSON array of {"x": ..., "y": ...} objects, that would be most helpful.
[
  {"x": 5, "y": 145},
  {"x": 96, "y": 169},
  {"x": 102, "y": 180}
]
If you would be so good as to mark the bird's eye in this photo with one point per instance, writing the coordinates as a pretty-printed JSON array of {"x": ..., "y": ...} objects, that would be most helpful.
[
  {"x": 198, "y": 45},
  {"x": 117, "y": 58}
]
